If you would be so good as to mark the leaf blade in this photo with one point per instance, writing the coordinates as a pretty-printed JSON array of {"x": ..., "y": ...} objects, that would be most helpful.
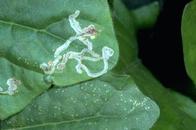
[
  {"x": 94, "y": 104},
  {"x": 31, "y": 24}
]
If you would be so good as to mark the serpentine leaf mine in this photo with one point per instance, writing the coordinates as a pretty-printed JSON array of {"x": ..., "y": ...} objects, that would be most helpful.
[{"x": 83, "y": 35}]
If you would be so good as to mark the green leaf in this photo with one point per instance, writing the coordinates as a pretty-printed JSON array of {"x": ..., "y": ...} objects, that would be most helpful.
[
  {"x": 189, "y": 39},
  {"x": 126, "y": 24},
  {"x": 32, "y": 85},
  {"x": 30, "y": 31},
  {"x": 96, "y": 104},
  {"x": 147, "y": 15},
  {"x": 176, "y": 111},
  {"x": 135, "y": 4},
  {"x": 125, "y": 31}
]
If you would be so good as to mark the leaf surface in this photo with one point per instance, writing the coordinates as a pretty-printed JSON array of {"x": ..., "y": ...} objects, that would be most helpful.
[
  {"x": 30, "y": 31},
  {"x": 32, "y": 85},
  {"x": 189, "y": 40},
  {"x": 96, "y": 104},
  {"x": 177, "y": 112}
]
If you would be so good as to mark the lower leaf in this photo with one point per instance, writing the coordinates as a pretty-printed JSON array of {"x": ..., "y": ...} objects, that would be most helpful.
[
  {"x": 31, "y": 85},
  {"x": 93, "y": 105}
]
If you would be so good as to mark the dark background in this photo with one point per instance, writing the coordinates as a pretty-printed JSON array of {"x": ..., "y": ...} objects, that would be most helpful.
[{"x": 160, "y": 47}]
